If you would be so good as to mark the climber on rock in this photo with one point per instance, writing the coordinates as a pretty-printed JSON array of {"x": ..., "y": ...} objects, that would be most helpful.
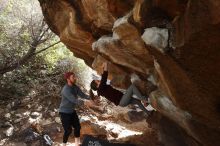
[
  {"x": 116, "y": 96},
  {"x": 70, "y": 100}
]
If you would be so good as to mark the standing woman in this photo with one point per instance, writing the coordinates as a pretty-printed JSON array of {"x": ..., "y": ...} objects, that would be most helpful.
[{"x": 116, "y": 96}]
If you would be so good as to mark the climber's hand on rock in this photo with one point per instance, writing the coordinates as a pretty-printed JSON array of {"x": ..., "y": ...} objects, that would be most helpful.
[{"x": 105, "y": 66}]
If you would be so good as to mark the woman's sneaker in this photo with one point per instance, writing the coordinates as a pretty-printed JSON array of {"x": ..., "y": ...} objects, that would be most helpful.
[{"x": 145, "y": 103}]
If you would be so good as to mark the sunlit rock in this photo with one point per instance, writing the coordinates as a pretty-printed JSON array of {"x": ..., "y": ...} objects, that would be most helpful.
[
  {"x": 92, "y": 129},
  {"x": 46, "y": 122},
  {"x": 8, "y": 115},
  {"x": 18, "y": 115},
  {"x": 39, "y": 108},
  {"x": 35, "y": 114},
  {"x": 57, "y": 119},
  {"x": 97, "y": 12},
  {"x": 156, "y": 37},
  {"x": 164, "y": 104},
  {"x": 52, "y": 114},
  {"x": 17, "y": 120},
  {"x": 9, "y": 131}
]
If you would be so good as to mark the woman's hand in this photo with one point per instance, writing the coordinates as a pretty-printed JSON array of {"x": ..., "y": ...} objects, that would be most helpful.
[{"x": 105, "y": 66}]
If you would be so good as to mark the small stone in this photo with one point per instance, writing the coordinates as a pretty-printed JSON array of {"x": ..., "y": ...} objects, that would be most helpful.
[
  {"x": 8, "y": 123},
  {"x": 26, "y": 113},
  {"x": 35, "y": 114},
  {"x": 5, "y": 125},
  {"x": 52, "y": 114},
  {"x": 9, "y": 106},
  {"x": 46, "y": 122},
  {"x": 58, "y": 129},
  {"x": 18, "y": 120},
  {"x": 16, "y": 129},
  {"x": 12, "y": 104},
  {"x": 29, "y": 106},
  {"x": 15, "y": 104},
  {"x": 39, "y": 108},
  {"x": 18, "y": 115},
  {"x": 8, "y": 115},
  {"x": 25, "y": 100},
  {"x": 57, "y": 119},
  {"x": 9, "y": 131}
]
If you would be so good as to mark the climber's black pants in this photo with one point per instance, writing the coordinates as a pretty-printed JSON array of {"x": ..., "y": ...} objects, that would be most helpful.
[{"x": 69, "y": 121}]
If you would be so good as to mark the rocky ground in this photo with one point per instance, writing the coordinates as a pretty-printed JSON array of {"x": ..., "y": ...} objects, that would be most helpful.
[{"x": 29, "y": 120}]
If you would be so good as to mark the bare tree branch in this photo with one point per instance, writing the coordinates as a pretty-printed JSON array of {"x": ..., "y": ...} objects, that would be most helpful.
[
  {"x": 22, "y": 41},
  {"x": 42, "y": 34},
  {"x": 31, "y": 52},
  {"x": 47, "y": 48}
]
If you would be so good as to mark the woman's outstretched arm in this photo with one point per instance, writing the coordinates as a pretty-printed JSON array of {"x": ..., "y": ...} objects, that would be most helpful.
[{"x": 104, "y": 74}]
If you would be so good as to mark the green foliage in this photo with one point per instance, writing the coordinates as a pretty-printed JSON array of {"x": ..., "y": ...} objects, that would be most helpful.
[
  {"x": 16, "y": 18},
  {"x": 43, "y": 73}
]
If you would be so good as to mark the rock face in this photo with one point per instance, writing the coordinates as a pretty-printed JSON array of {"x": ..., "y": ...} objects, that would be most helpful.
[{"x": 186, "y": 67}]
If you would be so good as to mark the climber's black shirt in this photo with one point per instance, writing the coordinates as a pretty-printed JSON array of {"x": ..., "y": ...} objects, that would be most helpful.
[{"x": 108, "y": 91}]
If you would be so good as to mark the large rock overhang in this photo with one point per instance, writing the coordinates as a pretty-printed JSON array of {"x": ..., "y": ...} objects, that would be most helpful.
[{"x": 186, "y": 72}]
